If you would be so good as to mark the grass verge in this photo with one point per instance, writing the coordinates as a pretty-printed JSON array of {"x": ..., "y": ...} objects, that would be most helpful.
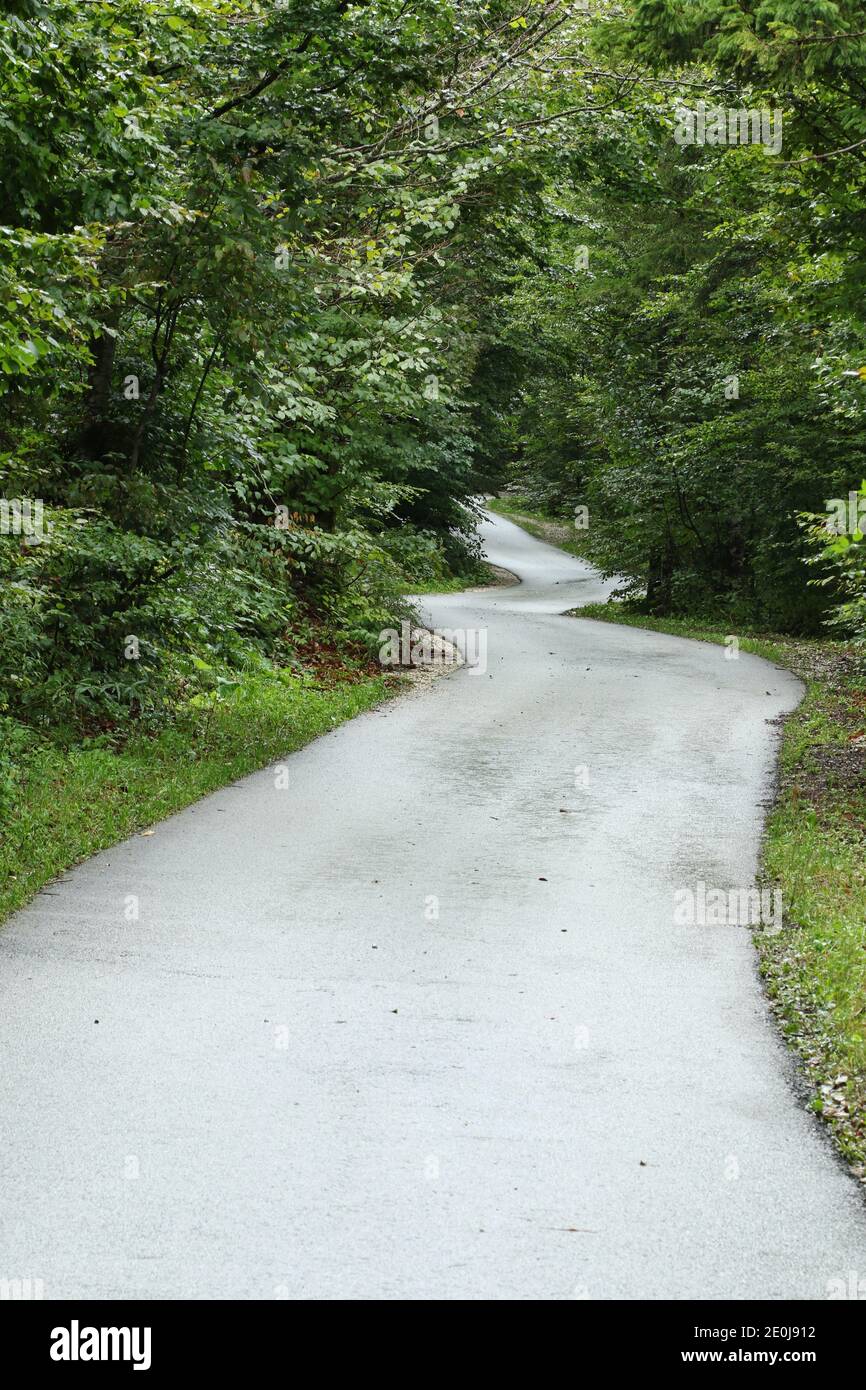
[
  {"x": 72, "y": 802},
  {"x": 482, "y": 577},
  {"x": 73, "y": 796},
  {"x": 815, "y": 969}
]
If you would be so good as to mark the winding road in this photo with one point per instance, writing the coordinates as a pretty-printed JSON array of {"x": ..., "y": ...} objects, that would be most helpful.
[{"x": 421, "y": 1023}]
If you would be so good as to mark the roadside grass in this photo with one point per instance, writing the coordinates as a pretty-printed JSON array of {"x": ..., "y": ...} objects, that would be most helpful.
[
  {"x": 71, "y": 802},
  {"x": 814, "y": 850},
  {"x": 73, "y": 796},
  {"x": 482, "y": 575},
  {"x": 438, "y": 586}
]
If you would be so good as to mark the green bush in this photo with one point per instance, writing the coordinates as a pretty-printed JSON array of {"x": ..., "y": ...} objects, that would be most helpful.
[{"x": 841, "y": 554}]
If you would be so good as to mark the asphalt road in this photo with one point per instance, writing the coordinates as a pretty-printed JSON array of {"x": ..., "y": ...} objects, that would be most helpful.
[{"x": 422, "y": 1023}]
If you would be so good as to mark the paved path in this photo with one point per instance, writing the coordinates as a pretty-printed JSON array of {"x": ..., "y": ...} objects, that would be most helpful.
[{"x": 305, "y": 1083}]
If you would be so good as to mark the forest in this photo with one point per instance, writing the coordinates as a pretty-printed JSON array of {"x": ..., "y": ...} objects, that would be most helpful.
[
  {"x": 297, "y": 297},
  {"x": 286, "y": 287}
]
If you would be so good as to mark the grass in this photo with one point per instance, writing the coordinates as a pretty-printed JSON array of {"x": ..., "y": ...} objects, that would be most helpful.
[
  {"x": 453, "y": 584},
  {"x": 74, "y": 798},
  {"x": 815, "y": 969},
  {"x": 72, "y": 802}
]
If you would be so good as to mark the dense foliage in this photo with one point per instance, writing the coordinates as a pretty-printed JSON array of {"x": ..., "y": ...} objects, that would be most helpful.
[
  {"x": 284, "y": 285},
  {"x": 247, "y": 251},
  {"x": 692, "y": 344}
]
